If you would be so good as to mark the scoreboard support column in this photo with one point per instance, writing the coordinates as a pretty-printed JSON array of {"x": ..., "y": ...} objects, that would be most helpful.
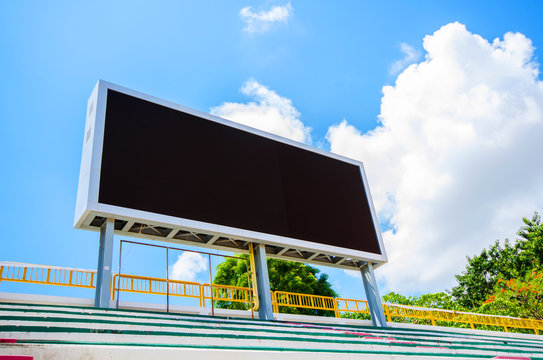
[
  {"x": 105, "y": 260},
  {"x": 265, "y": 310},
  {"x": 373, "y": 297}
]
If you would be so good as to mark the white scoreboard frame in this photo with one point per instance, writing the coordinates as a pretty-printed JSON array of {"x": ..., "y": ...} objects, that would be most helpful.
[{"x": 88, "y": 207}]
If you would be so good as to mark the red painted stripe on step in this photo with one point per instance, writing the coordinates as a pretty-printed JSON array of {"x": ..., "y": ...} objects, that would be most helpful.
[
  {"x": 356, "y": 333},
  {"x": 8, "y": 341},
  {"x": 15, "y": 357}
]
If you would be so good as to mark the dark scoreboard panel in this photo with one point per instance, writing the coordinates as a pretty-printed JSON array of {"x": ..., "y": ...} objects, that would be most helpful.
[{"x": 165, "y": 161}]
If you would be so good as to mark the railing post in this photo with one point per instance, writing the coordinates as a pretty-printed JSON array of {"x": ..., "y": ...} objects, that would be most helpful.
[
  {"x": 504, "y": 325},
  {"x": 113, "y": 287},
  {"x": 432, "y": 317},
  {"x": 471, "y": 321},
  {"x": 274, "y": 302},
  {"x": 336, "y": 310},
  {"x": 387, "y": 312},
  {"x": 1, "y": 272}
]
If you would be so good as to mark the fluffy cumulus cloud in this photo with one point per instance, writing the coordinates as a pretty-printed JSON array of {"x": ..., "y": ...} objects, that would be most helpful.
[
  {"x": 262, "y": 21},
  {"x": 187, "y": 266},
  {"x": 410, "y": 56},
  {"x": 268, "y": 112},
  {"x": 455, "y": 162}
]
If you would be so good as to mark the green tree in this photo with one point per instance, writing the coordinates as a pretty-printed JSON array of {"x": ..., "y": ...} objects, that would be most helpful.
[
  {"x": 519, "y": 298},
  {"x": 440, "y": 300},
  {"x": 531, "y": 244},
  {"x": 479, "y": 279},
  {"x": 284, "y": 275}
]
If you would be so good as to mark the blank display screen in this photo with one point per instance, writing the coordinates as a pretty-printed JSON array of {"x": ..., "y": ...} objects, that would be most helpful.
[{"x": 169, "y": 162}]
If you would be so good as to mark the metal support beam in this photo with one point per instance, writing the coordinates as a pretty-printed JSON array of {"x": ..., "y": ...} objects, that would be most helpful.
[
  {"x": 213, "y": 239},
  {"x": 373, "y": 297},
  {"x": 265, "y": 310},
  {"x": 172, "y": 233},
  {"x": 105, "y": 259},
  {"x": 127, "y": 226}
]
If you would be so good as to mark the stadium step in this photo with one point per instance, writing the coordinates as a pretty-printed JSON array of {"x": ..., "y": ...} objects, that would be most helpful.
[{"x": 65, "y": 332}]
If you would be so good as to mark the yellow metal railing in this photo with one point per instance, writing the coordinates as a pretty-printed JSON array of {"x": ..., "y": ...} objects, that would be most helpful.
[
  {"x": 155, "y": 286},
  {"x": 352, "y": 305},
  {"x": 306, "y": 301},
  {"x": 51, "y": 275},
  {"x": 392, "y": 311},
  {"x": 48, "y": 275},
  {"x": 226, "y": 293},
  {"x": 159, "y": 286},
  {"x": 433, "y": 316}
]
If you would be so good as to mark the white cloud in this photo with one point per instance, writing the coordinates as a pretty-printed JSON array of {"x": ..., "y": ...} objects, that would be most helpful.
[
  {"x": 456, "y": 160},
  {"x": 410, "y": 56},
  {"x": 262, "y": 21},
  {"x": 269, "y": 112},
  {"x": 187, "y": 266}
]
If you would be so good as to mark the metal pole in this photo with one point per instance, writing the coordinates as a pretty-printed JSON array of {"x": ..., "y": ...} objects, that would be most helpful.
[
  {"x": 102, "y": 297},
  {"x": 211, "y": 286},
  {"x": 119, "y": 276},
  {"x": 250, "y": 289},
  {"x": 373, "y": 297},
  {"x": 167, "y": 281},
  {"x": 265, "y": 309}
]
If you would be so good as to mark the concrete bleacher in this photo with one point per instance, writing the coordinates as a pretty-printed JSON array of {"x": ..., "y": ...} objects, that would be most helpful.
[{"x": 84, "y": 332}]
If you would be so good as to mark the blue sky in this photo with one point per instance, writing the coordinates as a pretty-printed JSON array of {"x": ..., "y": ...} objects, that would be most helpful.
[{"x": 318, "y": 67}]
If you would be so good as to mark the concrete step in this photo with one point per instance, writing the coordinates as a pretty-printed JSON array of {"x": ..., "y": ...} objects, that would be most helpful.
[{"x": 41, "y": 329}]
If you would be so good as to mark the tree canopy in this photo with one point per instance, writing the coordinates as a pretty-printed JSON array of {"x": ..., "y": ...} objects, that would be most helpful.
[
  {"x": 284, "y": 275},
  {"x": 520, "y": 298},
  {"x": 510, "y": 261}
]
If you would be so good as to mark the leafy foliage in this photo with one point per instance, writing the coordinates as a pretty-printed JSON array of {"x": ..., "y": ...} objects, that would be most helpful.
[
  {"x": 284, "y": 275},
  {"x": 519, "y": 298},
  {"x": 440, "y": 300},
  {"x": 479, "y": 279}
]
